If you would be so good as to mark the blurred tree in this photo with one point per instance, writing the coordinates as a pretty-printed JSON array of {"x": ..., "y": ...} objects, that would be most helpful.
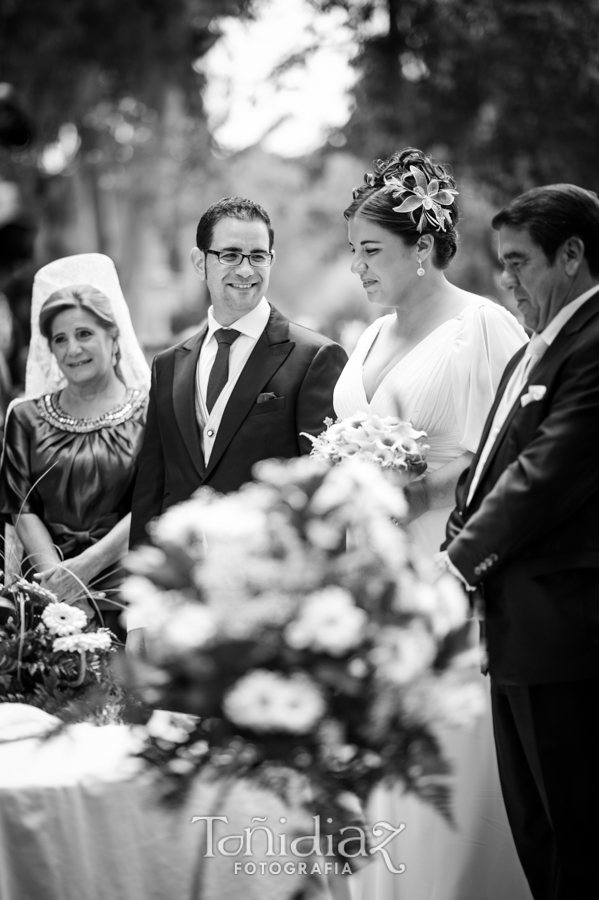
[
  {"x": 68, "y": 55},
  {"x": 115, "y": 92},
  {"x": 507, "y": 90}
]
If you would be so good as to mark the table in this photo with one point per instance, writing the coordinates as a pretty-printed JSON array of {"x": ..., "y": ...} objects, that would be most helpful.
[{"x": 79, "y": 820}]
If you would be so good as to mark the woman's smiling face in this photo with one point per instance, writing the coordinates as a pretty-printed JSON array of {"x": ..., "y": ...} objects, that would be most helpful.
[
  {"x": 83, "y": 348},
  {"x": 385, "y": 264}
]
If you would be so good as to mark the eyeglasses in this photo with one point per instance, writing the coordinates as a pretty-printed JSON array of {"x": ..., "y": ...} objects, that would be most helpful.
[{"x": 231, "y": 258}]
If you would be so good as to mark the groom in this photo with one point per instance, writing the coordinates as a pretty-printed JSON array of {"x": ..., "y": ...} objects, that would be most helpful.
[
  {"x": 242, "y": 389},
  {"x": 526, "y": 528}
]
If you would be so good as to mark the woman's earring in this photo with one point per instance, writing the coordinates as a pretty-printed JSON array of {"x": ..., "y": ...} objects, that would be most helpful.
[{"x": 420, "y": 270}]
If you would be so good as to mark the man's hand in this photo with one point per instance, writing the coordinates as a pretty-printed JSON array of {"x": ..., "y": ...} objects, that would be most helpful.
[
  {"x": 444, "y": 564},
  {"x": 136, "y": 642},
  {"x": 440, "y": 561}
]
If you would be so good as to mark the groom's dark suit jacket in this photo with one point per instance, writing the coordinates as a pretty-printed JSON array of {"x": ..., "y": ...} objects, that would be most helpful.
[
  {"x": 297, "y": 366},
  {"x": 531, "y": 531}
]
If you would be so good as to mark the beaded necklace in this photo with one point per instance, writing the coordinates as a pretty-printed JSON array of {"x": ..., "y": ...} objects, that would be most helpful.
[{"x": 50, "y": 409}]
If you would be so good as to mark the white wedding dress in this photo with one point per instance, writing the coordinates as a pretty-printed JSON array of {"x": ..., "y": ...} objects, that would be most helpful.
[{"x": 444, "y": 386}]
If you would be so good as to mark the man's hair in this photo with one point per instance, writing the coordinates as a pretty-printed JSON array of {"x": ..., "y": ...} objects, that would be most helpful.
[
  {"x": 231, "y": 208},
  {"x": 554, "y": 213}
]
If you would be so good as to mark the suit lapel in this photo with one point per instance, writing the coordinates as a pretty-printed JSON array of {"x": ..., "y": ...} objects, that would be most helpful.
[
  {"x": 270, "y": 352},
  {"x": 489, "y": 421},
  {"x": 539, "y": 372},
  {"x": 184, "y": 388}
]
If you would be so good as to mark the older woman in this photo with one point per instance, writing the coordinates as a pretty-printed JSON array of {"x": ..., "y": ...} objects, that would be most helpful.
[{"x": 70, "y": 453}]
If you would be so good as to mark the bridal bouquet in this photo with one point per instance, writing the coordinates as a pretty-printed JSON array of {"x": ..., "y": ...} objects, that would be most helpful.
[
  {"x": 48, "y": 656},
  {"x": 385, "y": 440},
  {"x": 296, "y": 646}
]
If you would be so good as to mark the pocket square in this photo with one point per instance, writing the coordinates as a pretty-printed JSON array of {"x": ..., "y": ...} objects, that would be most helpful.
[
  {"x": 262, "y": 398},
  {"x": 535, "y": 392}
]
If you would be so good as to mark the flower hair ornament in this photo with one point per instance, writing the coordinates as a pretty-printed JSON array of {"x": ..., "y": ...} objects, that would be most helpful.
[
  {"x": 416, "y": 191},
  {"x": 428, "y": 196}
]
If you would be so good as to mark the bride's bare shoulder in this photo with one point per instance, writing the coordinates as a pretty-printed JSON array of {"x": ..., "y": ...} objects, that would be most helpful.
[
  {"x": 380, "y": 325},
  {"x": 467, "y": 305},
  {"x": 465, "y": 299}
]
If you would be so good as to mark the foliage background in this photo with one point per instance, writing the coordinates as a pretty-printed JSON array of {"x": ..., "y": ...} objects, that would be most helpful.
[{"x": 124, "y": 162}]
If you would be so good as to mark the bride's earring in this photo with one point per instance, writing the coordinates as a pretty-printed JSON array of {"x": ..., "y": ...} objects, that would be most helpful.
[{"x": 420, "y": 270}]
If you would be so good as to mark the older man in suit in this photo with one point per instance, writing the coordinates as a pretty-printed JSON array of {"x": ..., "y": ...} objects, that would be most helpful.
[
  {"x": 526, "y": 529},
  {"x": 242, "y": 389}
]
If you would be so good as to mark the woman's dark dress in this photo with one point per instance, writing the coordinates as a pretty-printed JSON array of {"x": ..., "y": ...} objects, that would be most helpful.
[{"x": 77, "y": 475}]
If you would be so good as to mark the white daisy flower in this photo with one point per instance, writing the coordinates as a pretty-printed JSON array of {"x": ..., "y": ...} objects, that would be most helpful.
[
  {"x": 403, "y": 653},
  {"x": 330, "y": 621},
  {"x": 90, "y": 640},
  {"x": 60, "y": 618},
  {"x": 169, "y": 726},
  {"x": 189, "y": 627},
  {"x": 268, "y": 701}
]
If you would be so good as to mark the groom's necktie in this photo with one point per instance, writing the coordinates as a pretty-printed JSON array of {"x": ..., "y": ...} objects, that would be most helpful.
[
  {"x": 534, "y": 351},
  {"x": 219, "y": 372}
]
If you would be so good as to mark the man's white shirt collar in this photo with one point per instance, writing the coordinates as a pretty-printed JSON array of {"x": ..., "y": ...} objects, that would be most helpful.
[
  {"x": 252, "y": 324},
  {"x": 552, "y": 330},
  {"x": 518, "y": 379}
]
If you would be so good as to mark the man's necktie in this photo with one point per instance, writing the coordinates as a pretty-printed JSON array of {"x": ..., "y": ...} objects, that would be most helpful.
[
  {"x": 219, "y": 373},
  {"x": 534, "y": 351}
]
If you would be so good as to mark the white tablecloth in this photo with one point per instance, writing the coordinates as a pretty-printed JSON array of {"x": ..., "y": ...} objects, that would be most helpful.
[{"x": 79, "y": 821}]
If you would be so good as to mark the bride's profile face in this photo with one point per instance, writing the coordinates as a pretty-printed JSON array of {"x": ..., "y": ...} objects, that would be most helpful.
[
  {"x": 385, "y": 264},
  {"x": 82, "y": 347}
]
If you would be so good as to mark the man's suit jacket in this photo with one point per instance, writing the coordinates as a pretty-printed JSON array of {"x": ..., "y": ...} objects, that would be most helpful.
[
  {"x": 299, "y": 367},
  {"x": 531, "y": 531}
]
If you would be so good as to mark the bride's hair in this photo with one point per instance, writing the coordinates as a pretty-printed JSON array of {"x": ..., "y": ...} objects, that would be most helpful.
[
  {"x": 87, "y": 298},
  {"x": 376, "y": 201}
]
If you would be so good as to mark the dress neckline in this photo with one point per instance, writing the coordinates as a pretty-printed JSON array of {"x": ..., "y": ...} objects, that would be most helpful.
[
  {"x": 457, "y": 318},
  {"x": 50, "y": 409}
]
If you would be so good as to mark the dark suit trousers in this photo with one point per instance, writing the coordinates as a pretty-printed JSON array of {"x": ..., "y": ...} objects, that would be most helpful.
[{"x": 547, "y": 739}]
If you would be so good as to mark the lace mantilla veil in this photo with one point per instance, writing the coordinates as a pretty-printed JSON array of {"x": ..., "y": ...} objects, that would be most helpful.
[{"x": 42, "y": 374}]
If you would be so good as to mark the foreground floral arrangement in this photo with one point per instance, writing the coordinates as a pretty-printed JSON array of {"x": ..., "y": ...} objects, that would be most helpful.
[
  {"x": 48, "y": 656},
  {"x": 294, "y": 617},
  {"x": 386, "y": 440}
]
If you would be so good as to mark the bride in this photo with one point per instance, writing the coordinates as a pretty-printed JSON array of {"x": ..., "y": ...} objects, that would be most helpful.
[{"x": 435, "y": 360}]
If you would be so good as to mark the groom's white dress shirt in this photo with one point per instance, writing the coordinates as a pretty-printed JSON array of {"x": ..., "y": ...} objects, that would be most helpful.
[
  {"x": 250, "y": 327},
  {"x": 534, "y": 351}
]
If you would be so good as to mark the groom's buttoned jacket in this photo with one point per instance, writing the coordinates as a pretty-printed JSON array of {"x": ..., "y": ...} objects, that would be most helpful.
[
  {"x": 298, "y": 367},
  {"x": 530, "y": 533}
]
